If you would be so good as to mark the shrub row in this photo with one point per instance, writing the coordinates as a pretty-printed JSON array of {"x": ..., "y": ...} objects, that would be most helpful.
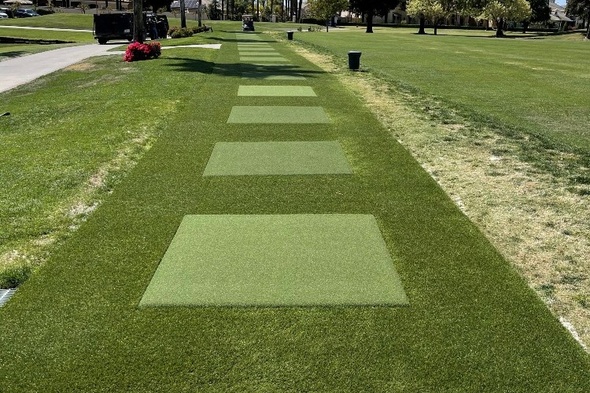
[{"x": 179, "y": 32}]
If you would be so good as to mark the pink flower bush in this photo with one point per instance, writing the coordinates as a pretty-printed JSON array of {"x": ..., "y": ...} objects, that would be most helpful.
[{"x": 138, "y": 51}]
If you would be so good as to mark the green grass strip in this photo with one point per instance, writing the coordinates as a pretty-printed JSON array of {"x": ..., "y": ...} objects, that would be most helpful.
[
  {"x": 277, "y": 158},
  {"x": 278, "y": 114},
  {"x": 276, "y": 260}
]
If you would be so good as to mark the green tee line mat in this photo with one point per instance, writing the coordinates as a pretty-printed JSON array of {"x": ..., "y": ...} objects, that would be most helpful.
[
  {"x": 258, "y": 53},
  {"x": 257, "y": 50},
  {"x": 278, "y": 115},
  {"x": 250, "y": 59},
  {"x": 276, "y": 91},
  {"x": 267, "y": 75},
  {"x": 276, "y": 260},
  {"x": 277, "y": 158},
  {"x": 243, "y": 45}
]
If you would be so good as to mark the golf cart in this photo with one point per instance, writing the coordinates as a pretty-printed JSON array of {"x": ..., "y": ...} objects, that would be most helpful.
[{"x": 247, "y": 23}]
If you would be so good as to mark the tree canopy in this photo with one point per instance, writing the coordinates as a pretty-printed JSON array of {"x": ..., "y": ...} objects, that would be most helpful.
[
  {"x": 503, "y": 10},
  {"x": 431, "y": 10},
  {"x": 580, "y": 8},
  {"x": 326, "y": 9}
]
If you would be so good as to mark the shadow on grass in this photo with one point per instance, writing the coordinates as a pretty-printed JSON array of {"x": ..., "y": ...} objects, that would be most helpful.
[
  {"x": 13, "y": 54},
  {"x": 240, "y": 69}
]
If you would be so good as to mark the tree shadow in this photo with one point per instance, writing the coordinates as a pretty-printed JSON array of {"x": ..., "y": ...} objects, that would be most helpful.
[
  {"x": 240, "y": 69},
  {"x": 13, "y": 54}
]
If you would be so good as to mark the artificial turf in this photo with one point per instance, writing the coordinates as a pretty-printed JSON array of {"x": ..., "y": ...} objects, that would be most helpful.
[
  {"x": 276, "y": 260},
  {"x": 276, "y": 91},
  {"x": 472, "y": 324},
  {"x": 277, "y": 158},
  {"x": 278, "y": 114},
  {"x": 267, "y": 75},
  {"x": 248, "y": 58}
]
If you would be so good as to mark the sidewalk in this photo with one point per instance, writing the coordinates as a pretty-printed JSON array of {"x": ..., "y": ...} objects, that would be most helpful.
[{"x": 21, "y": 70}]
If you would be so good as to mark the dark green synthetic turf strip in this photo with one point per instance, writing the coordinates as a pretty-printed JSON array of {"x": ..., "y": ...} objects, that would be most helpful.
[
  {"x": 276, "y": 260},
  {"x": 257, "y": 59},
  {"x": 276, "y": 91},
  {"x": 277, "y": 158},
  {"x": 278, "y": 114}
]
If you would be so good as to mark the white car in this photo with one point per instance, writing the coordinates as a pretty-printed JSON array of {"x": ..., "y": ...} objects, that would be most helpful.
[{"x": 3, "y": 15}]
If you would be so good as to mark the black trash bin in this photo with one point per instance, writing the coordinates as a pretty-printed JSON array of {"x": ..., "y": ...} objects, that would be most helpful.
[
  {"x": 354, "y": 60},
  {"x": 290, "y": 35}
]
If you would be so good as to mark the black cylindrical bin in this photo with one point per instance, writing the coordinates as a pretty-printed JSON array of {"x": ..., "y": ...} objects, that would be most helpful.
[
  {"x": 290, "y": 35},
  {"x": 354, "y": 60}
]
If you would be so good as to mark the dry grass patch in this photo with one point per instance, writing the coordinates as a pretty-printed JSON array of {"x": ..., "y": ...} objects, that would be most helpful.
[{"x": 532, "y": 216}]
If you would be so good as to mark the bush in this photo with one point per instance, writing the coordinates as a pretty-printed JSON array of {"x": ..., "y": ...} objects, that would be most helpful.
[
  {"x": 12, "y": 277},
  {"x": 177, "y": 32},
  {"x": 138, "y": 51}
]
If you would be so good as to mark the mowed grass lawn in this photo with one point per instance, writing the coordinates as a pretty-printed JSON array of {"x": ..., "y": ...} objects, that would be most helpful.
[
  {"x": 539, "y": 85},
  {"x": 471, "y": 324}
]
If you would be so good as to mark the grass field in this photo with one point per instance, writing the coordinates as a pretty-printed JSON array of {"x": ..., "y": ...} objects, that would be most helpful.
[
  {"x": 472, "y": 324},
  {"x": 523, "y": 84}
]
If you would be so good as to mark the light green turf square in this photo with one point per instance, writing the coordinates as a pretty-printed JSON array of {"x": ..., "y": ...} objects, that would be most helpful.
[
  {"x": 278, "y": 115},
  {"x": 259, "y": 59},
  {"x": 249, "y": 51},
  {"x": 276, "y": 91},
  {"x": 258, "y": 53},
  {"x": 277, "y": 158},
  {"x": 276, "y": 260},
  {"x": 249, "y": 37},
  {"x": 253, "y": 45},
  {"x": 267, "y": 75}
]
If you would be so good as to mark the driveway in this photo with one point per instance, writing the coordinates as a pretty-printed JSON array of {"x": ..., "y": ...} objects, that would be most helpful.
[{"x": 21, "y": 70}]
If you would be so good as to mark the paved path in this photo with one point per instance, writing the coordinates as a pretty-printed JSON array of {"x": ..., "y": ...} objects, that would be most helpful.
[{"x": 21, "y": 70}]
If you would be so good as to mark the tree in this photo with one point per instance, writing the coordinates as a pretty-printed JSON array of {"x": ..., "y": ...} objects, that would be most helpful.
[
  {"x": 138, "y": 28},
  {"x": 503, "y": 10},
  {"x": 580, "y": 8},
  {"x": 432, "y": 10},
  {"x": 182, "y": 15},
  {"x": 371, "y": 8},
  {"x": 213, "y": 10},
  {"x": 540, "y": 11},
  {"x": 326, "y": 9}
]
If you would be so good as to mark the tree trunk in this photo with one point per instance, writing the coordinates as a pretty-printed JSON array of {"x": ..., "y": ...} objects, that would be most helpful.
[
  {"x": 138, "y": 29},
  {"x": 369, "y": 22},
  {"x": 525, "y": 25},
  {"x": 588, "y": 31},
  {"x": 299, "y": 11},
  {"x": 199, "y": 14},
  {"x": 182, "y": 15},
  {"x": 500, "y": 28},
  {"x": 422, "y": 25},
  {"x": 435, "y": 27}
]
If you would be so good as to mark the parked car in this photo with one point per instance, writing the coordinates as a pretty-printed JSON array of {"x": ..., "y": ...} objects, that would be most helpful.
[
  {"x": 7, "y": 11},
  {"x": 25, "y": 13},
  {"x": 3, "y": 15}
]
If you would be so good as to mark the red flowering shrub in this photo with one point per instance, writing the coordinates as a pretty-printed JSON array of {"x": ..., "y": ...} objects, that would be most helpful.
[{"x": 138, "y": 51}]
